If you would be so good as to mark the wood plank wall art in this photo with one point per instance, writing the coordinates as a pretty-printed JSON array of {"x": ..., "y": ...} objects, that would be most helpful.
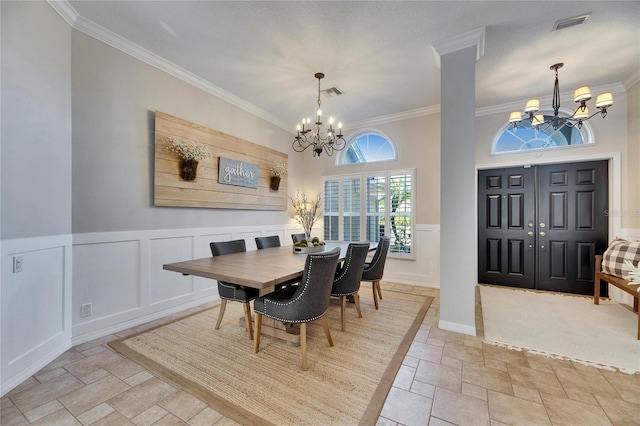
[{"x": 237, "y": 187}]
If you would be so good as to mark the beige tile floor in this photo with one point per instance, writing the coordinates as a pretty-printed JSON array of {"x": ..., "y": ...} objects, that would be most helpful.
[{"x": 446, "y": 378}]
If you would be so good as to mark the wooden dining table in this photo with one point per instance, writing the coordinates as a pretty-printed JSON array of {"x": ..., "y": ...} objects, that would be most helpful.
[{"x": 261, "y": 269}]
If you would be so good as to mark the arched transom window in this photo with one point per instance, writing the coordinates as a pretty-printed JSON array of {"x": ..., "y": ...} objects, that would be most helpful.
[
  {"x": 525, "y": 137},
  {"x": 368, "y": 147}
]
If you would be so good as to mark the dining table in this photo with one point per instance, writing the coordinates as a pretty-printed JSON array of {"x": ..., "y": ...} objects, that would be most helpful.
[{"x": 261, "y": 269}]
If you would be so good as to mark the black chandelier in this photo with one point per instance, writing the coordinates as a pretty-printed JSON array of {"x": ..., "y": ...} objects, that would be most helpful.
[
  {"x": 321, "y": 139},
  {"x": 581, "y": 95}
]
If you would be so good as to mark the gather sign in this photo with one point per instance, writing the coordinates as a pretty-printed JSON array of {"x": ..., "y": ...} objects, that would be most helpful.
[{"x": 238, "y": 173}]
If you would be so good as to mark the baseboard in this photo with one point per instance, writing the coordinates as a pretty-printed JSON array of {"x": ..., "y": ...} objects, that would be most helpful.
[
  {"x": 458, "y": 328},
  {"x": 411, "y": 279},
  {"x": 23, "y": 375},
  {"x": 96, "y": 334}
]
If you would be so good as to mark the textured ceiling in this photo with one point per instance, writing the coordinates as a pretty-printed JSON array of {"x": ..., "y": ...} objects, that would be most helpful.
[{"x": 379, "y": 54}]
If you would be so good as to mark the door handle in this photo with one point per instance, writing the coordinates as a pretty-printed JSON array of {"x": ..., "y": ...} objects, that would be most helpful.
[
  {"x": 530, "y": 233},
  {"x": 542, "y": 225},
  {"x": 542, "y": 234}
]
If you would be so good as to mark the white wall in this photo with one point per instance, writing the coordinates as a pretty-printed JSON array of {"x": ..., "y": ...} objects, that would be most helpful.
[
  {"x": 114, "y": 99},
  {"x": 36, "y": 189}
]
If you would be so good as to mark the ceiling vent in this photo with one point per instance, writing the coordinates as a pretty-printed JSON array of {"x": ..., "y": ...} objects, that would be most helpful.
[
  {"x": 332, "y": 92},
  {"x": 570, "y": 22}
]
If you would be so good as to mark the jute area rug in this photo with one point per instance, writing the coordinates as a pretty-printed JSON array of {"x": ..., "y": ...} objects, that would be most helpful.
[
  {"x": 562, "y": 326},
  {"x": 346, "y": 384}
]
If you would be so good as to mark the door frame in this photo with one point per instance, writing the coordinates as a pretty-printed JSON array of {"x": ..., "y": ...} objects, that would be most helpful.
[{"x": 615, "y": 181}]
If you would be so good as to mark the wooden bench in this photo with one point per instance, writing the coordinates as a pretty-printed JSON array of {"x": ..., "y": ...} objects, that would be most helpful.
[{"x": 621, "y": 283}]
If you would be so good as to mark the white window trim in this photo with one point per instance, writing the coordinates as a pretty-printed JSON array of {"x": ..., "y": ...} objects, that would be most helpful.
[
  {"x": 363, "y": 213},
  {"x": 352, "y": 138}
]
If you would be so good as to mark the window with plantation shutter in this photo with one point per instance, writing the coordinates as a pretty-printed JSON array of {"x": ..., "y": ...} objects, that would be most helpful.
[
  {"x": 370, "y": 205},
  {"x": 351, "y": 209},
  {"x": 331, "y": 209}
]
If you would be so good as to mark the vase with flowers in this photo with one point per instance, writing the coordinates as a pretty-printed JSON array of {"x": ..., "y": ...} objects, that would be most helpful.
[
  {"x": 190, "y": 153},
  {"x": 306, "y": 212}
]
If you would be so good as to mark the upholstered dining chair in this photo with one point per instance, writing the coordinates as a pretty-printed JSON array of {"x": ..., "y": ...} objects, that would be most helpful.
[
  {"x": 297, "y": 237},
  {"x": 373, "y": 270},
  {"x": 303, "y": 303},
  {"x": 347, "y": 279},
  {"x": 267, "y": 242},
  {"x": 234, "y": 292}
]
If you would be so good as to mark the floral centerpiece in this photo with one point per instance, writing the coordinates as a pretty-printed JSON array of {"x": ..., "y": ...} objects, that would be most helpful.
[
  {"x": 307, "y": 212},
  {"x": 190, "y": 153},
  {"x": 278, "y": 170}
]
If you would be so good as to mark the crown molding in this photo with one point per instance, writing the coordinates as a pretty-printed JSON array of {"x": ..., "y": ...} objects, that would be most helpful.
[
  {"x": 462, "y": 41},
  {"x": 631, "y": 80},
  {"x": 90, "y": 28},
  {"x": 418, "y": 112},
  {"x": 65, "y": 10}
]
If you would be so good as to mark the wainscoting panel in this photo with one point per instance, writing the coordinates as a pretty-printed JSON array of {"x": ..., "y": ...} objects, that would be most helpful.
[
  {"x": 36, "y": 305},
  {"x": 165, "y": 285},
  {"x": 109, "y": 276},
  {"x": 121, "y": 275},
  {"x": 425, "y": 269}
]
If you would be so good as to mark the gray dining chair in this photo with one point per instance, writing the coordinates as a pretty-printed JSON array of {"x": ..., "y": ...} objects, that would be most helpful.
[
  {"x": 297, "y": 237},
  {"x": 374, "y": 270},
  {"x": 234, "y": 292},
  {"x": 301, "y": 304},
  {"x": 267, "y": 242},
  {"x": 347, "y": 279}
]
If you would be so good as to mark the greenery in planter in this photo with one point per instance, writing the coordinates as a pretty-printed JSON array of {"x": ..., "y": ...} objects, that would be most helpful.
[
  {"x": 189, "y": 150},
  {"x": 279, "y": 169}
]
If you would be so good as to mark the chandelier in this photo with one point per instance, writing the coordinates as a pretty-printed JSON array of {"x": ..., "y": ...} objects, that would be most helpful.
[
  {"x": 581, "y": 95},
  {"x": 317, "y": 136}
]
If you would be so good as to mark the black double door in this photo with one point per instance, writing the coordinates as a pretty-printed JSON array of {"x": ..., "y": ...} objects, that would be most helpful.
[{"x": 539, "y": 227}]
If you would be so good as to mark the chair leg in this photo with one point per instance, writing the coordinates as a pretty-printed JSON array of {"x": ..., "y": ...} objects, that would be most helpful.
[
  {"x": 325, "y": 324},
  {"x": 303, "y": 344},
  {"x": 379, "y": 290},
  {"x": 356, "y": 299},
  {"x": 343, "y": 307},
  {"x": 256, "y": 334},
  {"x": 375, "y": 294},
  {"x": 223, "y": 305},
  {"x": 247, "y": 319}
]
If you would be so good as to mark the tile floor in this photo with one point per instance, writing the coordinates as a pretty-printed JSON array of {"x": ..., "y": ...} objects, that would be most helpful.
[{"x": 446, "y": 378}]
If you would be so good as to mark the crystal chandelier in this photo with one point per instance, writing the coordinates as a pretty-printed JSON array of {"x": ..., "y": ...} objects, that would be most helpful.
[
  {"x": 317, "y": 136},
  {"x": 581, "y": 95}
]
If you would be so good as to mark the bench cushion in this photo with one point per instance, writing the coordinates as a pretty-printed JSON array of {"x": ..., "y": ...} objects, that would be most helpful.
[{"x": 618, "y": 251}]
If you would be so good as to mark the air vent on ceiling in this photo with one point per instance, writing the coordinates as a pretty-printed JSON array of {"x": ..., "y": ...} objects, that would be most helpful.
[
  {"x": 570, "y": 22},
  {"x": 332, "y": 92}
]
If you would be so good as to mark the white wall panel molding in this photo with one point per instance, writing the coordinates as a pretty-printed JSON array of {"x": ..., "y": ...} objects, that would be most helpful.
[
  {"x": 120, "y": 274},
  {"x": 425, "y": 269},
  {"x": 36, "y": 305}
]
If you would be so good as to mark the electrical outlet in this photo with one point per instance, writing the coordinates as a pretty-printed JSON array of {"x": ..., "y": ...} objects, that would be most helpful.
[
  {"x": 85, "y": 310},
  {"x": 17, "y": 264}
]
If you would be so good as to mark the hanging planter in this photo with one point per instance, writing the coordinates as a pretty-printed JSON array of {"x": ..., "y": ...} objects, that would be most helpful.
[
  {"x": 277, "y": 171},
  {"x": 188, "y": 169},
  {"x": 275, "y": 183},
  {"x": 190, "y": 153}
]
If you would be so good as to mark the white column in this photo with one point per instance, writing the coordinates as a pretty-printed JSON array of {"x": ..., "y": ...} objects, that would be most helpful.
[{"x": 458, "y": 217}]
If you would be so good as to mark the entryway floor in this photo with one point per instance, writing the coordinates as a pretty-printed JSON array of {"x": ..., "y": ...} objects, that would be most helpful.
[{"x": 446, "y": 378}]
